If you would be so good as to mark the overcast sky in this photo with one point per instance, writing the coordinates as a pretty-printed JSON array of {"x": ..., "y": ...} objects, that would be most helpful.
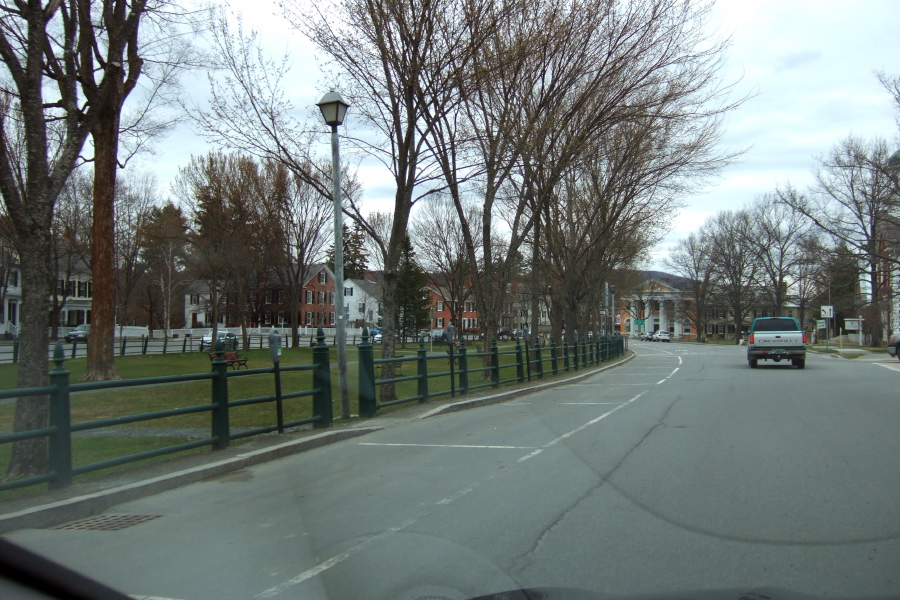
[{"x": 809, "y": 66}]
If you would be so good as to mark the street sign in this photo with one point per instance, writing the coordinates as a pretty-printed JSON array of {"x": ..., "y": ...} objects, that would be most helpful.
[
  {"x": 827, "y": 312},
  {"x": 639, "y": 322},
  {"x": 820, "y": 324},
  {"x": 851, "y": 324}
]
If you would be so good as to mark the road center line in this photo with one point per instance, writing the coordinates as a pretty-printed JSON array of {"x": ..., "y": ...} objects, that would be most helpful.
[
  {"x": 588, "y": 403},
  {"x": 334, "y": 560},
  {"x": 449, "y": 446},
  {"x": 663, "y": 380},
  {"x": 569, "y": 434}
]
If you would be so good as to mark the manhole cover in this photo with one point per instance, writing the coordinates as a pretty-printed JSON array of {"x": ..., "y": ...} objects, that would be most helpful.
[{"x": 108, "y": 522}]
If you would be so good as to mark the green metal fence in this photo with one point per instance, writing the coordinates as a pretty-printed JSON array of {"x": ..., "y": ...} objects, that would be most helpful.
[
  {"x": 498, "y": 367},
  {"x": 60, "y": 429},
  {"x": 455, "y": 368}
]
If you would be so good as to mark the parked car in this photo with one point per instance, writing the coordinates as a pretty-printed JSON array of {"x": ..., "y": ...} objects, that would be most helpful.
[
  {"x": 376, "y": 337},
  {"x": 79, "y": 334},
  {"x": 439, "y": 335},
  {"x": 228, "y": 339},
  {"x": 894, "y": 344},
  {"x": 647, "y": 336},
  {"x": 662, "y": 336}
]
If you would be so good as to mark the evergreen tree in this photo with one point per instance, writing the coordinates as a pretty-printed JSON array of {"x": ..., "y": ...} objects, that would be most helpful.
[
  {"x": 356, "y": 260},
  {"x": 413, "y": 300}
]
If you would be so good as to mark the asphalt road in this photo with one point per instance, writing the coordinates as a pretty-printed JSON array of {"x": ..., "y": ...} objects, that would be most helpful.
[{"x": 682, "y": 470}]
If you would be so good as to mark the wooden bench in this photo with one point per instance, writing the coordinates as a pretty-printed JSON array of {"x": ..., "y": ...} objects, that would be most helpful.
[{"x": 234, "y": 360}]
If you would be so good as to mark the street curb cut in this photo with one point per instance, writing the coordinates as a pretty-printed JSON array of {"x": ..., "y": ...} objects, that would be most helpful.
[
  {"x": 49, "y": 515},
  {"x": 497, "y": 398}
]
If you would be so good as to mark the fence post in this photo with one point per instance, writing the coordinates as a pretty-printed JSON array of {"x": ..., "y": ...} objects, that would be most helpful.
[
  {"x": 554, "y": 362},
  {"x": 74, "y": 348},
  {"x": 495, "y": 363},
  {"x": 60, "y": 443},
  {"x": 146, "y": 341},
  {"x": 122, "y": 349},
  {"x": 538, "y": 358},
  {"x": 16, "y": 350},
  {"x": 367, "y": 404},
  {"x": 463, "y": 368},
  {"x": 591, "y": 344},
  {"x": 584, "y": 354},
  {"x": 423, "y": 370},
  {"x": 520, "y": 367},
  {"x": 322, "y": 381},
  {"x": 565, "y": 355},
  {"x": 184, "y": 343},
  {"x": 165, "y": 344},
  {"x": 220, "y": 419}
]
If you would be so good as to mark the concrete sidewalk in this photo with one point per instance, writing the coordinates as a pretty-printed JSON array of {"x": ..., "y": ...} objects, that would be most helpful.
[{"x": 82, "y": 500}]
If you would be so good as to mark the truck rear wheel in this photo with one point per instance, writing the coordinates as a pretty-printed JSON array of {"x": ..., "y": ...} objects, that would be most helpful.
[
  {"x": 800, "y": 363},
  {"x": 752, "y": 362}
]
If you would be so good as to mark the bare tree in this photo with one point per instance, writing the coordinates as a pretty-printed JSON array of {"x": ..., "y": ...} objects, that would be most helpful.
[
  {"x": 777, "y": 234},
  {"x": 692, "y": 258},
  {"x": 736, "y": 265},
  {"x": 853, "y": 200},
  {"x": 135, "y": 200},
  {"x": 441, "y": 249},
  {"x": 164, "y": 251},
  {"x": 296, "y": 219},
  {"x": 45, "y": 123}
]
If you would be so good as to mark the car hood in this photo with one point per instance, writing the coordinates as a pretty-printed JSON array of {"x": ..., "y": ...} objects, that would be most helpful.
[{"x": 748, "y": 593}]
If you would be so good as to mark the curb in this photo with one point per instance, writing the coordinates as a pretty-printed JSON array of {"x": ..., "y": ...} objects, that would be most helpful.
[
  {"x": 79, "y": 507},
  {"x": 497, "y": 398}
]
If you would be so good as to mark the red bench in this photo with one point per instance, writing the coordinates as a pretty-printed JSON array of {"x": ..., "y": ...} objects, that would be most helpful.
[{"x": 234, "y": 360}]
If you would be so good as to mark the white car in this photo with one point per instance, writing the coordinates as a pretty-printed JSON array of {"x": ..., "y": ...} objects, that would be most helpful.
[
  {"x": 662, "y": 336},
  {"x": 228, "y": 339}
]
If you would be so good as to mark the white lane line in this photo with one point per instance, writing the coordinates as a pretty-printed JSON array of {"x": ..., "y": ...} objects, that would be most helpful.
[
  {"x": 668, "y": 377},
  {"x": 448, "y": 446},
  {"x": 579, "y": 428},
  {"x": 137, "y": 597},
  {"x": 679, "y": 360},
  {"x": 588, "y": 403},
  {"x": 334, "y": 560},
  {"x": 458, "y": 494}
]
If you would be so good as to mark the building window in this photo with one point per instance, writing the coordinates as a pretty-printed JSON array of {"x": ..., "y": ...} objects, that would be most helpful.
[
  {"x": 348, "y": 291},
  {"x": 13, "y": 278},
  {"x": 309, "y": 319},
  {"x": 331, "y": 297},
  {"x": 321, "y": 297},
  {"x": 362, "y": 307},
  {"x": 439, "y": 307},
  {"x": 439, "y": 323},
  {"x": 309, "y": 297},
  {"x": 195, "y": 298},
  {"x": 323, "y": 277},
  {"x": 279, "y": 297},
  {"x": 331, "y": 318},
  {"x": 470, "y": 306},
  {"x": 269, "y": 297}
]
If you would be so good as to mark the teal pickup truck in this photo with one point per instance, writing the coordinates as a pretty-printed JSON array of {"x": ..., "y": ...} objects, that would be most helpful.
[{"x": 778, "y": 339}]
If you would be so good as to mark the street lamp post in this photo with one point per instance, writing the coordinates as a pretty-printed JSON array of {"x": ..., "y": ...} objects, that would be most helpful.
[{"x": 333, "y": 110}]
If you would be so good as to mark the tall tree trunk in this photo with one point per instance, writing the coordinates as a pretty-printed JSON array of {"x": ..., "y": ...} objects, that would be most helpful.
[
  {"x": 101, "y": 347},
  {"x": 29, "y": 457}
]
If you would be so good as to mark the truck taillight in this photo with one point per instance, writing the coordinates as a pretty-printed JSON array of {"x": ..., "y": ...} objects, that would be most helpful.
[
  {"x": 804, "y": 337},
  {"x": 751, "y": 338}
]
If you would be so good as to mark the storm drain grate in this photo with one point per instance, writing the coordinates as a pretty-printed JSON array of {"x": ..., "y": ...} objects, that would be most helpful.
[{"x": 107, "y": 522}]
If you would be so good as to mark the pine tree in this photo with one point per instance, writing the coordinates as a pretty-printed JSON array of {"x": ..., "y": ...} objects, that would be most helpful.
[
  {"x": 413, "y": 299},
  {"x": 356, "y": 260}
]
